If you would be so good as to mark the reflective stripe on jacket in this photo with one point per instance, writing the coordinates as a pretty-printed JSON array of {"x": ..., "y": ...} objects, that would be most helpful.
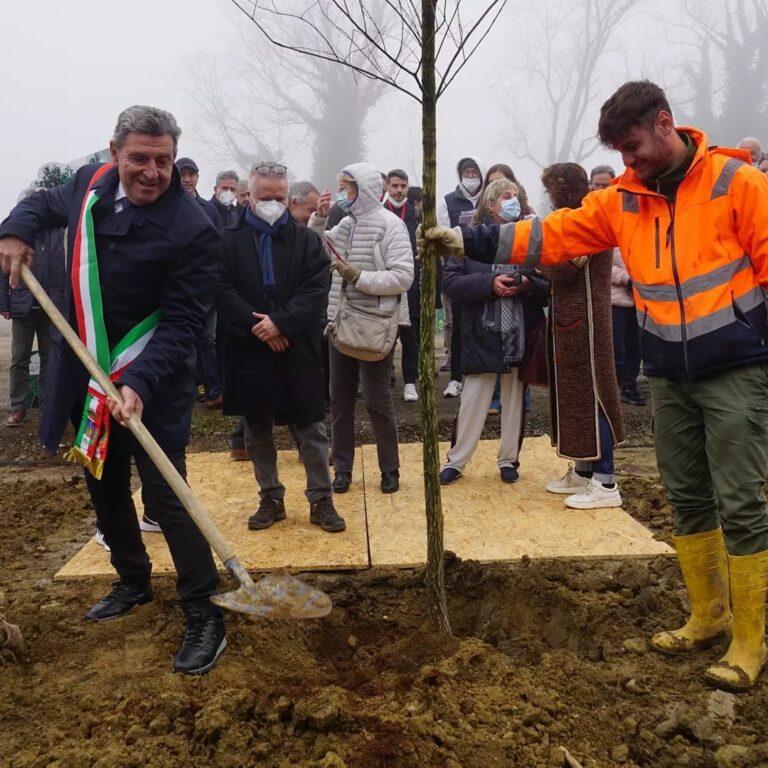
[{"x": 698, "y": 266}]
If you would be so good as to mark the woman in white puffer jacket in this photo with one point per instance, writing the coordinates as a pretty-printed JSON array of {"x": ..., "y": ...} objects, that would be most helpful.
[{"x": 378, "y": 267}]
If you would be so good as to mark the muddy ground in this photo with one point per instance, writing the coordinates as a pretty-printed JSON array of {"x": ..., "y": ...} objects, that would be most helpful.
[{"x": 545, "y": 655}]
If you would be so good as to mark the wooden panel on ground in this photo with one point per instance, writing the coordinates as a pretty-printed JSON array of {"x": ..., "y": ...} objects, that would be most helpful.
[
  {"x": 487, "y": 520},
  {"x": 229, "y": 492}
]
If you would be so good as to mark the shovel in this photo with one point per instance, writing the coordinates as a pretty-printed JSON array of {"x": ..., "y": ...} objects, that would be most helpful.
[{"x": 275, "y": 596}]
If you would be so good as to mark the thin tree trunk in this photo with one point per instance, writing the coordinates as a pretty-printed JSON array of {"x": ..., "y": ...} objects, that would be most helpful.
[{"x": 435, "y": 572}]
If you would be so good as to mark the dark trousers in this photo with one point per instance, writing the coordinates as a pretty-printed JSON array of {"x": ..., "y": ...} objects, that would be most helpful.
[
  {"x": 197, "y": 577},
  {"x": 312, "y": 441},
  {"x": 377, "y": 395},
  {"x": 456, "y": 343},
  {"x": 208, "y": 362},
  {"x": 409, "y": 338},
  {"x": 626, "y": 345},
  {"x": 23, "y": 332}
]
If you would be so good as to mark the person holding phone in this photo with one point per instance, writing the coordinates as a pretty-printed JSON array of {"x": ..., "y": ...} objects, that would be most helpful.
[
  {"x": 500, "y": 305},
  {"x": 372, "y": 262}
]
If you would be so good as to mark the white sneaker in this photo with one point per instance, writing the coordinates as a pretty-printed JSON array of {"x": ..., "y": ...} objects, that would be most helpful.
[
  {"x": 570, "y": 482},
  {"x": 410, "y": 395},
  {"x": 98, "y": 537},
  {"x": 149, "y": 526},
  {"x": 596, "y": 496},
  {"x": 453, "y": 389}
]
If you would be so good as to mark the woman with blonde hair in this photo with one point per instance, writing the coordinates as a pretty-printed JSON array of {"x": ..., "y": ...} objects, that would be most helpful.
[{"x": 500, "y": 306}]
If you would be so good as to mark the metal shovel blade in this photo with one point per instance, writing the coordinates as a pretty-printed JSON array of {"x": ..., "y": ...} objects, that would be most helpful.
[{"x": 275, "y": 596}]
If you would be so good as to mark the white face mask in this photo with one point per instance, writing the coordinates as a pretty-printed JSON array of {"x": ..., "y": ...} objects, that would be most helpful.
[
  {"x": 268, "y": 210},
  {"x": 397, "y": 204},
  {"x": 226, "y": 197},
  {"x": 471, "y": 184}
]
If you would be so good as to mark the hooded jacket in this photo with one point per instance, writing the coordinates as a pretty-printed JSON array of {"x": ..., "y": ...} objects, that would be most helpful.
[
  {"x": 454, "y": 203},
  {"x": 699, "y": 266},
  {"x": 375, "y": 240}
]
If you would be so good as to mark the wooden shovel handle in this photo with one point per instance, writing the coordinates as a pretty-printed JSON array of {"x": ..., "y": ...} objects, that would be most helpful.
[{"x": 179, "y": 486}]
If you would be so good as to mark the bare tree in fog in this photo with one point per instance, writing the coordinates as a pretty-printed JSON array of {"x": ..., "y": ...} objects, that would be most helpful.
[
  {"x": 271, "y": 101},
  {"x": 417, "y": 48},
  {"x": 559, "y": 79},
  {"x": 729, "y": 78}
]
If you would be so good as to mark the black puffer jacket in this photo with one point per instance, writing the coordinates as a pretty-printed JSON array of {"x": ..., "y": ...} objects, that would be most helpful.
[{"x": 470, "y": 283}]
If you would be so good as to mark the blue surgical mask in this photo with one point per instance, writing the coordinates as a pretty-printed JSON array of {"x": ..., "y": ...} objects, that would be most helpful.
[
  {"x": 343, "y": 201},
  {"x": 510, "y": 209}
]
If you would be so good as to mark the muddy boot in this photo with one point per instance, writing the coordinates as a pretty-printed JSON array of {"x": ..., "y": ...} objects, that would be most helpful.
[
  {"x": 705, "y": 572},
  {"x": 746, "y": 655}
]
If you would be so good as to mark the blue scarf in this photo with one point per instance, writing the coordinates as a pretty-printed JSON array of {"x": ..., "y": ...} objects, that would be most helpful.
[{"x": 264, "y": 250}]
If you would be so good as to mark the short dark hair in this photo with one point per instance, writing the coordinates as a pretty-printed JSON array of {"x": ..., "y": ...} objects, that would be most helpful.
[
  {"x": 397, "y": 172},
  {"x": 415, "y": 194},
  {"x": 602, "y": 169},
  {"x": 566, "y": 183},
  {"x": 636, "y": 103}
]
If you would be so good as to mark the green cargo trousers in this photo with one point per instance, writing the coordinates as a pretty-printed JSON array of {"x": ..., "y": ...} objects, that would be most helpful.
[{"x": 712, "y": 451}]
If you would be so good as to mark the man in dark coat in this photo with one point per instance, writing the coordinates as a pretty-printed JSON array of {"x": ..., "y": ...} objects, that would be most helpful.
[
  {"x": 29, "y": 322},
  {"x": 152, "y": 262},
  {"x": 272, "y": 295},
  {"x": 224, "y": 198}
]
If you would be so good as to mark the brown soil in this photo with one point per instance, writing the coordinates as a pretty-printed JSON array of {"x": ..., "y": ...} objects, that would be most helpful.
[{"x": 544, "y": 655}]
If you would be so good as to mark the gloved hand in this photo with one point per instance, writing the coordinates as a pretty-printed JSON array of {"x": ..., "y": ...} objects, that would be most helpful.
[
  {"x": 348, "y": 272},
  {"x": 450, "y": 242}
]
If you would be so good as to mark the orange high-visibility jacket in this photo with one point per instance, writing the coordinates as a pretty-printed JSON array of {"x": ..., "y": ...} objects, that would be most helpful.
[{"x": 698, "y": 267}]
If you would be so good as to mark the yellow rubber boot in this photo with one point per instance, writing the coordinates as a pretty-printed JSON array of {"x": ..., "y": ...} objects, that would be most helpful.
[
  {"x": 741, "y": 665},
  {"x": 704, "y": 565}
]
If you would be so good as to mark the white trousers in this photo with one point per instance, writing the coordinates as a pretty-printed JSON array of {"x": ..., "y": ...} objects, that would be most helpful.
[{"x": 476, "y": 394}]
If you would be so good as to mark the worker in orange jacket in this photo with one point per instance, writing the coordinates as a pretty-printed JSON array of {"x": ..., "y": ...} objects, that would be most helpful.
[{"x": 692, "y": 225}]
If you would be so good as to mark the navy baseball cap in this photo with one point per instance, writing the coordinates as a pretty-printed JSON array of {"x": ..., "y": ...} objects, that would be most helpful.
[{"x": 187, "y": 162}]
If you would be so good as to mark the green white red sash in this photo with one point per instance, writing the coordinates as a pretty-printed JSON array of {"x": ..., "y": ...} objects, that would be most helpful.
[{"x": 92, "y": 441}]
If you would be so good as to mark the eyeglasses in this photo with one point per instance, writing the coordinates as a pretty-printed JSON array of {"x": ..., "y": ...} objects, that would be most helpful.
[{"x": 269, "y": 169}]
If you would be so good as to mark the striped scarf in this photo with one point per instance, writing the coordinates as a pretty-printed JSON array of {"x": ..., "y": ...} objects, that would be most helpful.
[{"x": 92, "y": 441}]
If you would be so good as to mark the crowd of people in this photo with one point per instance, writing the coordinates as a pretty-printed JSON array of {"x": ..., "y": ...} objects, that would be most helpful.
[{"x": 283, "y": 302}]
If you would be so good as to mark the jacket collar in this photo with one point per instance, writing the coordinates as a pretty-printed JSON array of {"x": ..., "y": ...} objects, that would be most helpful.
[{"x": 161, "y": 211}]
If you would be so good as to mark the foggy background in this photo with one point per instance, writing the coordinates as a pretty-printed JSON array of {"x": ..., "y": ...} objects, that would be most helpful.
[{"x": 529, "y": 97}]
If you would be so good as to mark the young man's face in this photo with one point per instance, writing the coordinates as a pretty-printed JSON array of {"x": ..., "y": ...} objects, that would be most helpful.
[
  {"x": 397, "y": 188},
  {"x": 648, "y": 151},
  {"x": 600, "y": 181},
  {"x": 189, "y": 179}
]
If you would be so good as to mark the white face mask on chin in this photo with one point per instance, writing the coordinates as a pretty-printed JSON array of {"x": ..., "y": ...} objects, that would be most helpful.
[
  {"x": 471, "y": 184},
  {"x": 396, "y": 203},
  {"x": 268, "y": 210}
]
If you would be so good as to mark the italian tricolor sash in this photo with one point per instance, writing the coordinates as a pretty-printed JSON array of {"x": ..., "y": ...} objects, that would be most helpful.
[{"x": 92, "y": 441}]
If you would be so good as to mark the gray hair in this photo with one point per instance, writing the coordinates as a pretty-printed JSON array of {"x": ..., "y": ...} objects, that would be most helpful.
[
  {"x": 221, "y": 175},
  {"x": 300, "y": 190},
  {"x": 149, "y": 120},
  {"x": 497, "y": 188}
]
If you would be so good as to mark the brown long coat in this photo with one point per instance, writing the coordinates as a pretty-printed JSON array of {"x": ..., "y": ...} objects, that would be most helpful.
[{"x": 582, "y": 373}]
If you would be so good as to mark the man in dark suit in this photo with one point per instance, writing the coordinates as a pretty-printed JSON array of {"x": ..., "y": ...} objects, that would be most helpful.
[
  {"x": 272, "y": 296},
  {"x": 152, "y": 257}
]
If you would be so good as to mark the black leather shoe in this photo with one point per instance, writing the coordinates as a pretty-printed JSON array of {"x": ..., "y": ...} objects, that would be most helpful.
[
  {"x": 390, "y": 481},
  {"x": 120, "y": 600},
  {"x": 323, "y": 513},
  {"x": 203, "y": 643},
  {"x": 341, "y": 482},
  {"x": 269, "y": 512}
]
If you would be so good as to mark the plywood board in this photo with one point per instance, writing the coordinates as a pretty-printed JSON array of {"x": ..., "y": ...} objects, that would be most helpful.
[
  {"x": 487, "y": 520},
  {"x": 229, "y": 492}
]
